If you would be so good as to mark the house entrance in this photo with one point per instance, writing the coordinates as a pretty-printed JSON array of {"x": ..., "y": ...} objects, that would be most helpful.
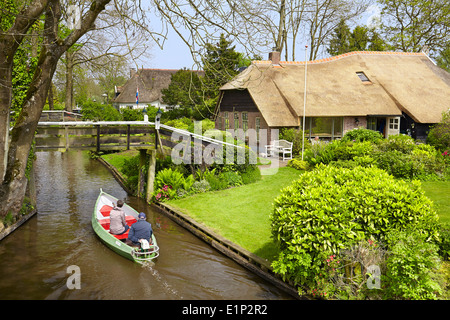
[{"x": 377, "y": 124}]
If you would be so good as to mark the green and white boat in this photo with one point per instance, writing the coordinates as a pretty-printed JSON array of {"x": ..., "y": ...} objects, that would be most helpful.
[{"x": 100, "y": 224}]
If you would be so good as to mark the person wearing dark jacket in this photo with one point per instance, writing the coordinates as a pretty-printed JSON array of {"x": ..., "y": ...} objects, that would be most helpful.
[{"x": 140, "y": 230}]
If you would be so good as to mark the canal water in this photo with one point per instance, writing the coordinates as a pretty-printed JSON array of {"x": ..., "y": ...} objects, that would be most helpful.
[{"x": 35, "y": 259}]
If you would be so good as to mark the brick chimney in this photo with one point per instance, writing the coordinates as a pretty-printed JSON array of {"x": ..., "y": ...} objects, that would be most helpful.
[{"x": 274, "y": 56}]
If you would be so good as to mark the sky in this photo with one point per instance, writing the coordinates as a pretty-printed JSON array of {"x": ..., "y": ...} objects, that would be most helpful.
[{"x": 176, "y": 54}]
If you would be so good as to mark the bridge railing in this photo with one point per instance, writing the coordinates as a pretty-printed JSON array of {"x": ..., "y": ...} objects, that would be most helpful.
[
  {"x": 112, "y": 135},
  {"x": 90, "y": 135}
]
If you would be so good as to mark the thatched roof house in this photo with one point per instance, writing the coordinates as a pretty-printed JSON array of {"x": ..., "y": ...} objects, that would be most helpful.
[
  {"x": 149, "y": 83},
  {"x": 387, "y": 91}
]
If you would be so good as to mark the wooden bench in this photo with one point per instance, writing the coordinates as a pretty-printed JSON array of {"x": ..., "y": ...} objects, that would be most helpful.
[{"x": 278, "y": 147}]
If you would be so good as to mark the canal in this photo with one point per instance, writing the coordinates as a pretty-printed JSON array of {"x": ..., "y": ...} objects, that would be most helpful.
[{"x": 34, "y": 259}]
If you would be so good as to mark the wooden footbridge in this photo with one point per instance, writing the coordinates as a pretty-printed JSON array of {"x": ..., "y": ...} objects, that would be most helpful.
[
  {"x": 119, "y": 135},
  {"x": 112, "y": 135}
]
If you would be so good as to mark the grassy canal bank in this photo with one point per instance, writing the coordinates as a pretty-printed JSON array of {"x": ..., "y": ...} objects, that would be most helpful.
[{"x": 241, "y": 214}]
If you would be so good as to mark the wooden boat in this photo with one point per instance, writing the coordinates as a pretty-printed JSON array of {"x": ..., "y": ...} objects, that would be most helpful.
[{"x": 100, "y": 224}]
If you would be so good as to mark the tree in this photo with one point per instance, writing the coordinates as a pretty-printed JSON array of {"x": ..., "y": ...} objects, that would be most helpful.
[
  {"x": 185, "y": 90},
  {"x": 443, "y": 60},
  {"x": 340, "y": 43},
  {"x": 221, "y": 63},
  {"x": 413, "y": 25},
  {"x": 360, "y": 39},
  {"x": 16, "y": 144}
]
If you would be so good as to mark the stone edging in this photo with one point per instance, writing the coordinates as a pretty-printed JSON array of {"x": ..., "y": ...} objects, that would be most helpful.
[
  {"x": 7, "y": 231},
  {"x": 243, "y": 257}
]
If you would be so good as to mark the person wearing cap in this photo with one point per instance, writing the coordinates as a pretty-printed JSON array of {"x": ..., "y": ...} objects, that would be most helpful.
[{"x": 140, "y": 230}]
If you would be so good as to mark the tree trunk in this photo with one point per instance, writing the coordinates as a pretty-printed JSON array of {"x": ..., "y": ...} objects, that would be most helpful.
[
  {"x": 5, "y": 103},
  {"x": 15, "y": 181},
  {"x": 69, "y": 81},
  {"x": 51, "y": 105},
  {"x": 13, "y": 170}
]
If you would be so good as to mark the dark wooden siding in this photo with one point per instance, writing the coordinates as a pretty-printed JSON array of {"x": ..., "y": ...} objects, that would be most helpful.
[{"x": 237, "y": 100}]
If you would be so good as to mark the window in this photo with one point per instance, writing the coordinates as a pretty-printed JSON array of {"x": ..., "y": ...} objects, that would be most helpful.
[
  {"x": 393, "y": 123},
  {"x": 324, "y": 127},
  {"x": 236, "y": 120},
  {"x": 226, "y": 121},
  {"x": 362, "y": 76},
  {"x": 245, "y": 121},
  {"x": 372, "y": 123}
]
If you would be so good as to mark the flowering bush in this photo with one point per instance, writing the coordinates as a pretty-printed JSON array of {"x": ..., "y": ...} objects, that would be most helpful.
[
  {"x": 327, "y": 210},
  {"x": 165, "y": 193}
]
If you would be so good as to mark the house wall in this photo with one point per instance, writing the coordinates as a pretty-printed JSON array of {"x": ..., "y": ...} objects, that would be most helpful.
[
  {"x": 238, "y": 103},
  {"x": 142, "y": 105},
  {"x": 351, "y": 123}
]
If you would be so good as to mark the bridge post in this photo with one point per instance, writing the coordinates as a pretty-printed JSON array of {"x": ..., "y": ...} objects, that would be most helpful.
[
  {"x": 151, "y": 175},
  {"x": 142, "y": 159},
  {"x": 66, "y": 133},
  {"x": 128, "y": 136},
  {"x": 98, "y": 138}
]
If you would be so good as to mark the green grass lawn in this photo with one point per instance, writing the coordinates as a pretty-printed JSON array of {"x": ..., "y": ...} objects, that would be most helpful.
[
  {"x": 439, "y": 193},
  {"x": 116, "y": 159},
  {"x": 241, "y": 214}
]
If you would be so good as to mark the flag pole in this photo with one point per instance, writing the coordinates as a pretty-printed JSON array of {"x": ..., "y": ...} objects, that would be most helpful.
[{"x": 304, "y": 102}]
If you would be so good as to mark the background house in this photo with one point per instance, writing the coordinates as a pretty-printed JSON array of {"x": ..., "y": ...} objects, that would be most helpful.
[
  {"x": 149, "y": 83},
  {"x": 391, "y": 92}
]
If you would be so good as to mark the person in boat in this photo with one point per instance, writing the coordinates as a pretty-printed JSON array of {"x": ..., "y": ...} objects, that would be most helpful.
[
  {"x": 140, "y": 230},
  {"x": 118, "y": 223}
]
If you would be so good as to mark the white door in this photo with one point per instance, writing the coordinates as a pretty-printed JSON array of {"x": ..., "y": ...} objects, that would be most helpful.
[{"x": 393, "y": 126}]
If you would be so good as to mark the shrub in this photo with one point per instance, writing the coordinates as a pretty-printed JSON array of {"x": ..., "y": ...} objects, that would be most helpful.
[
  {"x": 401, "y": 143},
  {"x": 231, "y": 178},
  {"x": 361, "y": 134},
  {"x": 321, "y": 152},
  {"x": 169, "y": 177},
  {"x": 215, "y": 182},
  {"x": 346, "y": 276},
  {"x": 251, "y": 174},
  {"x": 99, "y": 112},
  {"x": 439, "y": 135},
  {"x": 444, "y": 243},
  {"x": 347, "y": 150},
  {"x": 200, "y": 186},
  {"x": 421, "y": 163},
  {"x": 298, "y": 164},
  {"x": 329, "y": 208},
  {"x": 130, "y": 168},
  {"x": 132, "y": 114},
  {"x": 412, "y": 267},
  {"x": 395, "y": 163}
]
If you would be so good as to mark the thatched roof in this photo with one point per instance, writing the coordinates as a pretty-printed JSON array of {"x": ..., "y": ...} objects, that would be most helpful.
[
  {"x": 150, "y": 83},
  {"x": 408, "y": 82}
]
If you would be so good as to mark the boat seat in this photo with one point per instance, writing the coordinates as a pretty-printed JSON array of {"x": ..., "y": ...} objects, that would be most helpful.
[
  {"x": 106, "y": 210},
  {"x": 129, "y": 219},
  {"x": 122, "y": 236}
]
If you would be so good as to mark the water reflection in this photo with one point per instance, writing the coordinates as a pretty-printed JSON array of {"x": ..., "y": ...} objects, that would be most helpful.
[{"x": 34, "y": 259}]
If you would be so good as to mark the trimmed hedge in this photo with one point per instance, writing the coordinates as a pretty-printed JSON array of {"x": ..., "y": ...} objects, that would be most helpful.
[{"x": 329, "y": 209}]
